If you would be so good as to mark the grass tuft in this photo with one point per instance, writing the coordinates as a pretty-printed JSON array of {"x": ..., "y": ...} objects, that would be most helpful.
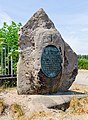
[
  {"x": 2, "y": 106},
  {"x": 17, "y": 111},
  {"x": 78, "y": 105}
]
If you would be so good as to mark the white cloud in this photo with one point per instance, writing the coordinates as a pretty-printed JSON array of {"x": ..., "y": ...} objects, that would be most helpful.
[{"x": 4, "y": 17}]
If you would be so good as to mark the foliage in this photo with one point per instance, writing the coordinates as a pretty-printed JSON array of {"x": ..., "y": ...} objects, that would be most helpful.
[
  {"x": 9, "y": 35},
  {"x": 83, "y": 62},
  {"x": 9, "y": 40}
]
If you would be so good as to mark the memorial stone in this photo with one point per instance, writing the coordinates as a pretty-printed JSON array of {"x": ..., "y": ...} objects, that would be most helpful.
[{"x": 47, "y": 64}]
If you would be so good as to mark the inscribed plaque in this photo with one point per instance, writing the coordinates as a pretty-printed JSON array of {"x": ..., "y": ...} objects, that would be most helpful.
[{"x": 51, "y": 61}]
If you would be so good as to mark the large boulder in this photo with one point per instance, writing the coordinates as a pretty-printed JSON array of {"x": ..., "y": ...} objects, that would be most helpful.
[{"x": 47, "y": 64}]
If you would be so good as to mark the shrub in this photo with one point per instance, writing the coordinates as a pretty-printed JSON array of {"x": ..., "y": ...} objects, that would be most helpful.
[{"x": 83, "y": 63}]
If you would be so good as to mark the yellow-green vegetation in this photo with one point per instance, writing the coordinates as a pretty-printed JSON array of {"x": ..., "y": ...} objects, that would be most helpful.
[
  {"x": 78, "y": 106},
  {"x": 2, "y": 106},
  {"x": 17, "y": 111}
]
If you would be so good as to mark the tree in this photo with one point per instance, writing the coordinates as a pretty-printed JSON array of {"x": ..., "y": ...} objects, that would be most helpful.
[{"x": 9, "y": 41}]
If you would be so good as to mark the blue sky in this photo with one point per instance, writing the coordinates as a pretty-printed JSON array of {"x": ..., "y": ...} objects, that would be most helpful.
[{"x": 69, "y": 16}]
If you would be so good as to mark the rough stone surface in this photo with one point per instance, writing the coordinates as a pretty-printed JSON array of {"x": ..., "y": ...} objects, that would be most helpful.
[{"x": 34, "y": 36}]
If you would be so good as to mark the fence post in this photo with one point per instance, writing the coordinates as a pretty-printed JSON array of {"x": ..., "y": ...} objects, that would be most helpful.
[
  {"x": 5, "y": 60},
  {"x": 1, "y": 61},
  {"x": 8, "y": 60},
  {"x": 11, "y": 66}
]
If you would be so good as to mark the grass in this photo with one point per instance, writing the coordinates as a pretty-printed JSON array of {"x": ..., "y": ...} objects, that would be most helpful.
[
  {"x": 2, "y": 106},
  {"x": 17, "y": 111},
  {"x": 78, "y": 106}
]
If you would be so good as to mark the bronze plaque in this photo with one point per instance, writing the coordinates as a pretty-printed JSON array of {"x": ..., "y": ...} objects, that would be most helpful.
[{"x": 51, "y": 61}]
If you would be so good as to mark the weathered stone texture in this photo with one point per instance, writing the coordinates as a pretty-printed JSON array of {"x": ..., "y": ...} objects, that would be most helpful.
[{"x": 34, "y": 36}]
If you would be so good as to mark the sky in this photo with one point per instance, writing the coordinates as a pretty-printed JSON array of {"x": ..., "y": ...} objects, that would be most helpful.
[{"x": 69, "y": 16}]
